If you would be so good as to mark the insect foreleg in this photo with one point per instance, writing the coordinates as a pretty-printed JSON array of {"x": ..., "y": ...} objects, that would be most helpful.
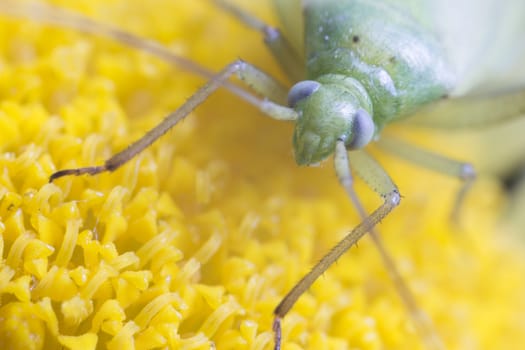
[
  {"x": 420, "y": 320},
  {"x": 388, "y": 191},
  {"x": 262, "y": 83},
  {"x": 274, "y": 39},
  {"x": 56, "y": 16},
  {"x": 429, "y": 160},
  {"x": 245, "y": 71}
]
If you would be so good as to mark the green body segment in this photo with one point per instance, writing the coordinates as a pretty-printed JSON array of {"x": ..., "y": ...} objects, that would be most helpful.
[
  {"x": 395, "y": 58},
  {"x": 400, "y": 63}
]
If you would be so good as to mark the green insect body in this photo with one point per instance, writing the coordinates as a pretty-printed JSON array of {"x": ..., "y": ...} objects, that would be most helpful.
[
  {"x": 365, "y": 64},
  {"x": 387, "y": 68}
]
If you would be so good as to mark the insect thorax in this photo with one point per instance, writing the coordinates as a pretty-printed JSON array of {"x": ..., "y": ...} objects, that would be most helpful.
[{"x": 394, "y": 57}]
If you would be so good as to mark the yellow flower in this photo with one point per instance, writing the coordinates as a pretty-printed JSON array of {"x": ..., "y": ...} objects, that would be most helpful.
[{"x": 194, "y": 242}]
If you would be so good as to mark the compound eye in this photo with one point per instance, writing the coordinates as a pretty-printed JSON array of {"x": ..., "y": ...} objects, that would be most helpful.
[
  {"x": 363, "y": 129},
  {"x": 301, "y": 90}
]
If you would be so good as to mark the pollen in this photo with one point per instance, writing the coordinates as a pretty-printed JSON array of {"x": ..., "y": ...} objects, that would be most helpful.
[{"x": 192, "y": 244}]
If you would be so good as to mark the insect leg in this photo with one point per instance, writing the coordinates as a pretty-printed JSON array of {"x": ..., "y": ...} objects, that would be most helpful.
[
  {"x": 56, "y": 16},
  {"x": 420, "y": 320},
  {"x": 471, "y": 111},
  {"x": 261, "y": 82},
  {"x": 245, "y": 71},
  {"x": 461, "y": 170},
  {"x": 383, "y": 185},
  {"x": 291, "y": 62}
]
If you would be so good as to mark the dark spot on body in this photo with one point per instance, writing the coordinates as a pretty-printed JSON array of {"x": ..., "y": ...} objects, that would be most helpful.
[
  {"x": 392, "y": 59},
  {"x": 445, "y": 96},
  {"x": 355, "y": 39}
]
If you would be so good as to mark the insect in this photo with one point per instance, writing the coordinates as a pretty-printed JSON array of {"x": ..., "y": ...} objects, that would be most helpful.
[{"x": 359, "y": 79}]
